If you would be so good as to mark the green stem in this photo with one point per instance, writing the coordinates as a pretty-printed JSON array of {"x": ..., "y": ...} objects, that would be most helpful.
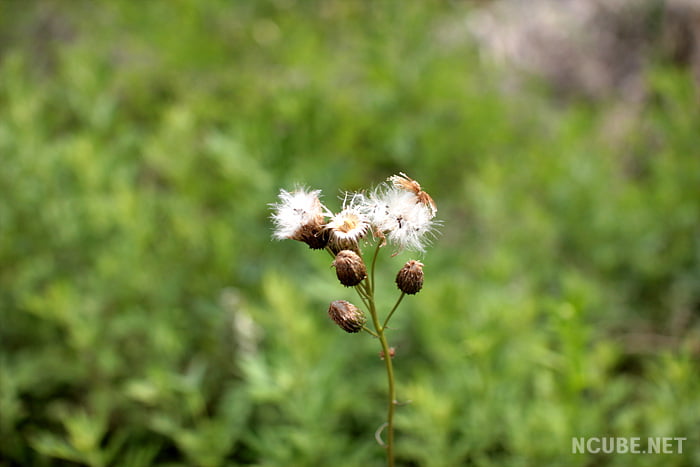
[
  {"x": 392, "y": 390},
  {"x": 362, "y": 292},
  {"x": 365, "y": 290},
  {"x": 396, "y": 305},
  {"x": 374, "y": 261},
  {"x": 368, "y": 289}
]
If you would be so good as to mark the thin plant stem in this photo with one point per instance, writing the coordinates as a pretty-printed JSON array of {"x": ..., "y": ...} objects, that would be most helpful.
[
  {"x": 396, "y": 305},
  {"x": 374, "y": 261},
  {"x": 390, "y": 379},
  {"x": 365, "y": 290},
  {"x": 379, "y": 329},
  {"x": 392, "y": 401},
  {"x": 363, "y": 295},
  {"x": 365, "y": 328}
]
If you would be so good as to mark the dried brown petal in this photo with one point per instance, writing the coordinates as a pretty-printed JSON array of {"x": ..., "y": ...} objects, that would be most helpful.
[{"x": 313, "y": 234}]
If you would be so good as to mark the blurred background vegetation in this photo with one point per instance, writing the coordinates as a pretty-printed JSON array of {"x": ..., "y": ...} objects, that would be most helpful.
[{"x": 146, "y": 317}]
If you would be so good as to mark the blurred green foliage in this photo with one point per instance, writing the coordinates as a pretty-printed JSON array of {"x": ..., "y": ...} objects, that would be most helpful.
[{"x": 147, "y": 319}]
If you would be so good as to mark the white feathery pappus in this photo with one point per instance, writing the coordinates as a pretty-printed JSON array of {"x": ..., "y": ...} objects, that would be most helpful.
[{"x": 405, "y": 182}]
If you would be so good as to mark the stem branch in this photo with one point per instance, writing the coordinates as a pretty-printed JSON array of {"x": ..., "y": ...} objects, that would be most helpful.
[
  {"x": 396, "y": 305},
  {"x": 374, "y": 261}
]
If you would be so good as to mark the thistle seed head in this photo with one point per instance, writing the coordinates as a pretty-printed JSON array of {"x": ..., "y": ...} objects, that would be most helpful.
[
  {"x": 300, "y": 216},
  {"x": 403, "y": 212},
  {"x": 410, "y": 277},
  {"x": 346, "y": 315},
  {"x": 349, "y": 225}
]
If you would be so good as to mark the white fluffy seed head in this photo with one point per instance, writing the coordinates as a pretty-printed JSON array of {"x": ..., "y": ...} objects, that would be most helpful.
[
  {"x": 352, "y": 223},
  {"x": 406, "y": 221},
  {"x": 300, "y": 215},
  {"x": 398, "y": 211}
]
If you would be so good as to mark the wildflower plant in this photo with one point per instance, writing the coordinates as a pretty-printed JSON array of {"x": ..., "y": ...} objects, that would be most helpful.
[{"x": 396, "y": 213}]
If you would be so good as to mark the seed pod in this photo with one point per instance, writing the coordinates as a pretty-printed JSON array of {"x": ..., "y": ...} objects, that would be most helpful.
[
  {"x": 410, "y": 277},
  {"x": 347, "y": 316},
  {"x": 349, "y": 268}
]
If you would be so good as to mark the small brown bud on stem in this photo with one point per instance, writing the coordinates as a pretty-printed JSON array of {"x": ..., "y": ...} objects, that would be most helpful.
[
  {"x": 392, "y": 353},
  {"x": 347, "y": 316},
  {"x": 410, "y": 277},
  {"x": 349, "y": 268}
]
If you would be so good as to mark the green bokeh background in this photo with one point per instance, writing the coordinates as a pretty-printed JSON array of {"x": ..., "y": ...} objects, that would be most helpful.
[{"x": 147, "y": 318}]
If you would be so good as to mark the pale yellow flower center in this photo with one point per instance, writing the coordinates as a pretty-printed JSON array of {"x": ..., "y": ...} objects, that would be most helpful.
[{"x": 350, "y": 222}]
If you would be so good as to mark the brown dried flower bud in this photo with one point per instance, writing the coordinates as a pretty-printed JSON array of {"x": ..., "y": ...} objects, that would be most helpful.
[
  {"x": 313, "y": 234},
  {"x": 337, "y": 245},
  {"x": 349, "y": 268},
  {"x": 392, "y": 353},
  {"x": 410, "y": 277},
  {"x": 347, "y": 316}
]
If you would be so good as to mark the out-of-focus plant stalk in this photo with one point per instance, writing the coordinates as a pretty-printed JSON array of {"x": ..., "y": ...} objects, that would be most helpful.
[{"x": 366, "y": 292}]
